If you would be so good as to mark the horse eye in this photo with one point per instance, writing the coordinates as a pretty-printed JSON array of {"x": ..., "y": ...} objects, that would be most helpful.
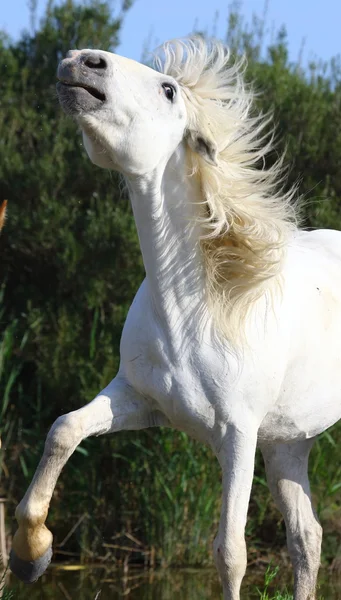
[{"x": 169, "y": 91}]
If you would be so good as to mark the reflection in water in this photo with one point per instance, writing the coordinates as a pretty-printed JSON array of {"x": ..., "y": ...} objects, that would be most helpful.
[{"x": 170, "y": 584}]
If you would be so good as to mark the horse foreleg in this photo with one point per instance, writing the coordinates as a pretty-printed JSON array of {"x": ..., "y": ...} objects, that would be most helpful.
[
  {"x": 236, "y": 457},
  {"x": 116, "y": 408},
  {"x": 287, "y": 474}
]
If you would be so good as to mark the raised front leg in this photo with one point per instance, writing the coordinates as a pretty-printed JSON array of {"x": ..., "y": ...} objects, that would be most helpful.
[
  {"x": 116, "y": 408},
  {"x": 287, "y": 474},
  {"x": 236, "y": 458}
]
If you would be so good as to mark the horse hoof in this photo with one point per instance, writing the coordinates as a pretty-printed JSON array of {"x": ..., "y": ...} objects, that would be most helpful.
[{"x": 29, "y": 571}]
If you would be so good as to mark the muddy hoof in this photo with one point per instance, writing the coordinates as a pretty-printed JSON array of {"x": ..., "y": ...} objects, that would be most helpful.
[{"x": 29, "y": 571}]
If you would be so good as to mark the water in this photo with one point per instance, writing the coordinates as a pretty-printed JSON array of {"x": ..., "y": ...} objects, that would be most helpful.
[{"x": 67, "y": 583}]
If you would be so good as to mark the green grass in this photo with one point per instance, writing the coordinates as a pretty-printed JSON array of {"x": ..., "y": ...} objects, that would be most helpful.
[
  {"x": 269, "y": 576},
  {"x": 265, "y": 594}
]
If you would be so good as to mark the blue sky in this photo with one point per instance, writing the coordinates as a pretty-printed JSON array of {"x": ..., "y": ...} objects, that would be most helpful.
[{"x": 317, "y": 22}]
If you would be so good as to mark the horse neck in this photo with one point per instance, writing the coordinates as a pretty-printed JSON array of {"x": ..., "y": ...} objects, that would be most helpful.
[{"x": 165, "y": 206}]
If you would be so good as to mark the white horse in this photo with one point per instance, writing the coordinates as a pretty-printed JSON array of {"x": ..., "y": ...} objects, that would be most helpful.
[{"x": 235, "y": 335}]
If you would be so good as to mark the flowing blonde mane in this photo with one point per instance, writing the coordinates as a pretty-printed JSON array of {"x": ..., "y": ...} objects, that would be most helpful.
[{"x": 246, "y": 218}]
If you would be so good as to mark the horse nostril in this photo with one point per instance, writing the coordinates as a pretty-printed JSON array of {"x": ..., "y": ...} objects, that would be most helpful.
[{"x": 95, "y": 62}]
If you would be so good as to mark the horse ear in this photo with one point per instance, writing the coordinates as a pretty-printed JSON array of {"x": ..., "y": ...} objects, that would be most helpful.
[{"x": 203, "y": 145}]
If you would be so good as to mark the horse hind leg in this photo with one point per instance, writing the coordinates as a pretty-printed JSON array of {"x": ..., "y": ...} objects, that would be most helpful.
[{"x": 286, "y": 468}]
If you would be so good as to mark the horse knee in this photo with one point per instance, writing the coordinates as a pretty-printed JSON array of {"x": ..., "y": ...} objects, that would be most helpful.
[
  {"x": 305, "y": 547},
  {"x": 65, "y": 434},
  {"x": 230, "y": 559}
]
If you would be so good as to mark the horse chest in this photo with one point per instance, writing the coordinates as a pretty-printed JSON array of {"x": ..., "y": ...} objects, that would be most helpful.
[{"x": 189, "y": 388}]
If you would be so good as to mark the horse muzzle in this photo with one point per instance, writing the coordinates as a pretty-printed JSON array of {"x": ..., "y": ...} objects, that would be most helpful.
[{"x": 81, "y": 86}]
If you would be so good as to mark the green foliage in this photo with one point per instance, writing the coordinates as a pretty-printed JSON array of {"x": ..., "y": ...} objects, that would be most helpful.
[
  {"x": 70, "y": 227},
  {"x": 175, "y": 494},
  {"x": 269, "y": 576},
  {"x": 70, "y": 263}
]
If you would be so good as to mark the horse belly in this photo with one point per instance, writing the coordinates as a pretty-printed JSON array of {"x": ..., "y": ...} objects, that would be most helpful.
[
  {"x": 305, "y": 408},
  {"x": 309, "y": 400}
]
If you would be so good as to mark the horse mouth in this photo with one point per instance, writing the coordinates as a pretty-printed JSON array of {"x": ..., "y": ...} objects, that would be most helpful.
[{"x": 94, "y": 92}]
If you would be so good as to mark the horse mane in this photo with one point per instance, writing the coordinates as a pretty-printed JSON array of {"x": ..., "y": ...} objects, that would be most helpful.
[{"x": 246, "y": 217}]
